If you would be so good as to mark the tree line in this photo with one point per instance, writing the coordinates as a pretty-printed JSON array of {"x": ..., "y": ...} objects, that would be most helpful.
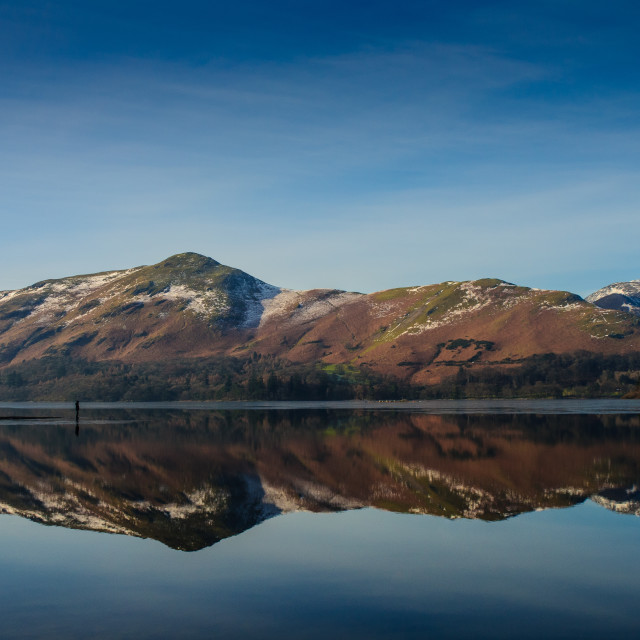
[{"x": 258, "y": 377}]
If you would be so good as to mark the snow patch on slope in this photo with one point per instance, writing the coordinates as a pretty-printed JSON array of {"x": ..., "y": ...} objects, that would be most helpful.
[
  {"x": 475, "y": 298},
  {"x": 631, "y": 289},
  {"x": 200, "y": 302},
  {"x": 254, "y": 295},
  {"x": 256, "y": 301},
  {"x": 63, "y": 296},
  {"x": 297, "y": 307}
]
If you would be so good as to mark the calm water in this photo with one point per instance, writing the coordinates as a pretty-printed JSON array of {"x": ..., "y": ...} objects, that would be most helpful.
[{"x": 442, "y": 520}]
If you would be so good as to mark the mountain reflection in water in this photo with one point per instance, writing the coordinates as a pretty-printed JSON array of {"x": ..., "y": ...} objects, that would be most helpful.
[{"x": 192, "y": 478}]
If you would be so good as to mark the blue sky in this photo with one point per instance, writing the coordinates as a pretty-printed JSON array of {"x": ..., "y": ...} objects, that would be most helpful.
[{"x": 356, "y": 145}]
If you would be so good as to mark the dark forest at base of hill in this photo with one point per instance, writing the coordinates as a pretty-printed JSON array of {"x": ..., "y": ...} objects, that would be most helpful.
[{"x": 580, "y": 375}]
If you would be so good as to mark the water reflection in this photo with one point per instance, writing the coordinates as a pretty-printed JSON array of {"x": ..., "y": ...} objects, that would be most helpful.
[{"x": 192, "y": 478}]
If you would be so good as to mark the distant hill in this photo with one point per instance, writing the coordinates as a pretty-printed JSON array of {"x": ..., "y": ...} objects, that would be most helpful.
[
  {"x": 190, "y": 307},
  {"x": 622, "y": 296}
]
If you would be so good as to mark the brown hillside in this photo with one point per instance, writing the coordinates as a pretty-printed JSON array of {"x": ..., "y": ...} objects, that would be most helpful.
[{"x": 192, "y": 306}]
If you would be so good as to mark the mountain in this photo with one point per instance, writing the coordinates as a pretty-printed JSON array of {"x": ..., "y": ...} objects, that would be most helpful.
[
  {"x": 622, "y": 296},
  {"x": 190, "y": 307}
]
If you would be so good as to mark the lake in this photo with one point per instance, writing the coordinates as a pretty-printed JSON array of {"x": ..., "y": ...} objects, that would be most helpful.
[{"x": 443, "y": 519}]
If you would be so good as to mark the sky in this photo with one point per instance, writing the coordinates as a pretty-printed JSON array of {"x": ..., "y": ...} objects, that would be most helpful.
[{"x": 352, "y": 145}]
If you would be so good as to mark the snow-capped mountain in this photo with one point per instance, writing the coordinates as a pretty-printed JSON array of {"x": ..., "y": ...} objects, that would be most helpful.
[
  {"x": 622, "y": 296},
  {"x": 190, "y": 307}
]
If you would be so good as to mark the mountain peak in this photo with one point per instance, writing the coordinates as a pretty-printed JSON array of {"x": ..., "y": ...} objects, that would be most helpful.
[
  {"x": 188, "y": 260},
  {"x": 621, "y": 296}
]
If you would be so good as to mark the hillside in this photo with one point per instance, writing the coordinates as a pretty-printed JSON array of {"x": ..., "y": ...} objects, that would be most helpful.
[{"x": 190, "y": 307}]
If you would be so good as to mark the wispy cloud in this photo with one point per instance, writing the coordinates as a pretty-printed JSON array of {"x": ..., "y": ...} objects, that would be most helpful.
[{"x": 419, "y": 162}]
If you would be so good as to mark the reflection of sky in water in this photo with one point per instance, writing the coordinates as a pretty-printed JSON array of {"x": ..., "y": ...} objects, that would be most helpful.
[{"x": 558, "y": 573}]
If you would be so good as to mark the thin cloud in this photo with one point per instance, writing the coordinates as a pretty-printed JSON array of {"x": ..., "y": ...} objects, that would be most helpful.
[{"x": 438, "y": 157}]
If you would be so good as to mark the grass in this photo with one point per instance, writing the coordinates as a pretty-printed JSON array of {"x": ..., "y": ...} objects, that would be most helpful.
[
  {"x": 559, "y": 298},
  {"x": 607, "y": 324},
  {"x": 390, "y": 294},
  {"x": 489, "y": 283},
  {"x": 345, "y": 372}
]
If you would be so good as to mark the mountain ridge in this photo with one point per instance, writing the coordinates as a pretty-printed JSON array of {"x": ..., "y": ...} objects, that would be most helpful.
[{"x": 189, "y": 306}]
